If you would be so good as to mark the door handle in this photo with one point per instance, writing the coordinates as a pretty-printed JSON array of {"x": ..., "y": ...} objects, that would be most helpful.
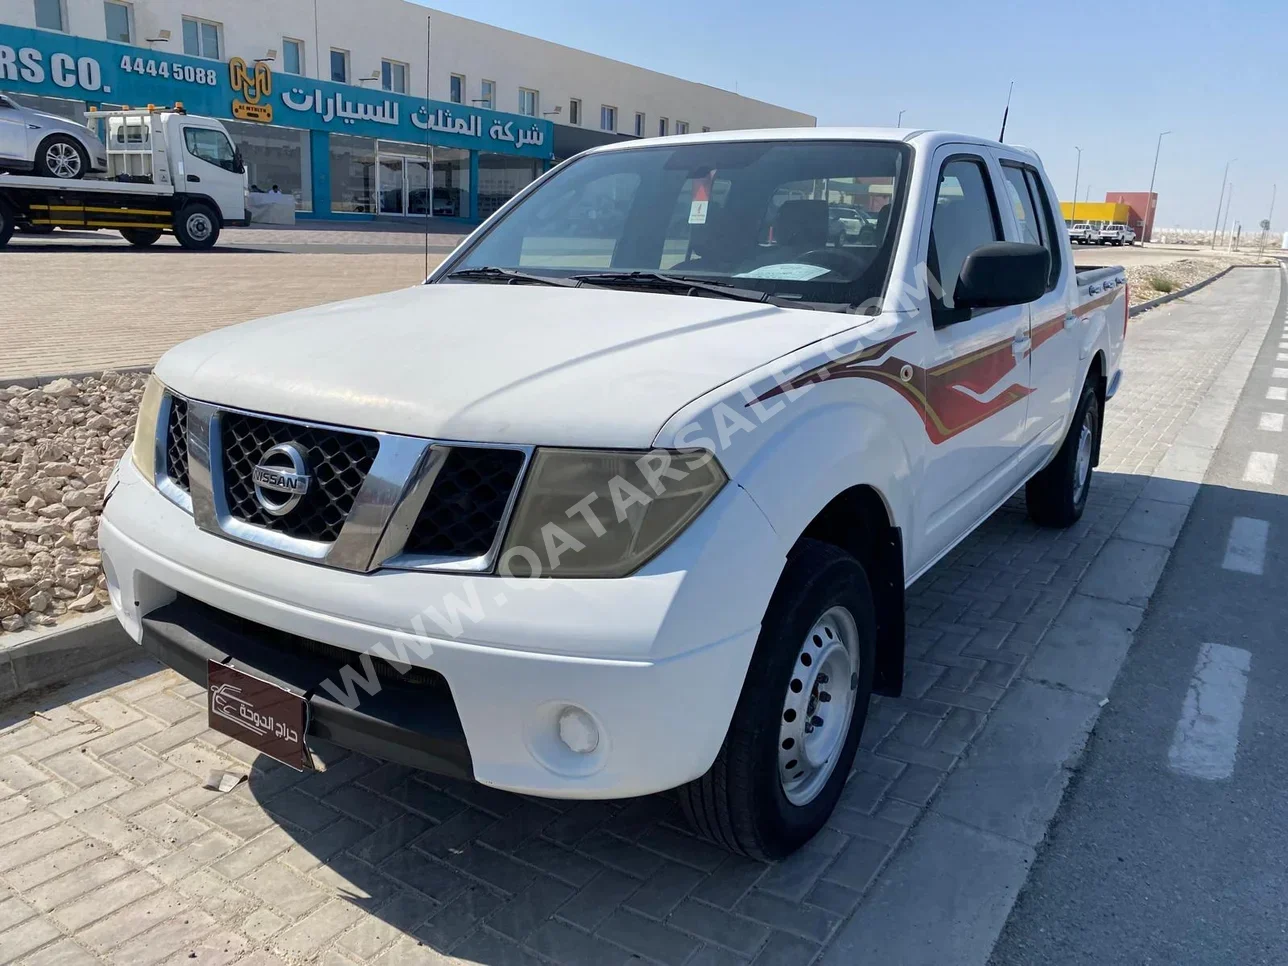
[
  {"x": 193, "y": 178},
  {"x": 1020, "y": 346}
]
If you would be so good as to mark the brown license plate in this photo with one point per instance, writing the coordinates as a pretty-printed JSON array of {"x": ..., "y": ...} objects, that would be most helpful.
[{"x": 265, "y": 716}]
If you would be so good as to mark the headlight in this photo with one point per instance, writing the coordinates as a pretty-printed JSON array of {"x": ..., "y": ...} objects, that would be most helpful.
[
  {"x": 145, "y": 430},
  {"x": 599, "y": 513}
]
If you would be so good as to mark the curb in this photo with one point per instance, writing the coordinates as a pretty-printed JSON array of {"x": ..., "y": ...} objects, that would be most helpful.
[
  {"x": 1170, "y": 296},
  {"x": 39, "y": 658},
  {"x": 35, "y": 382}
]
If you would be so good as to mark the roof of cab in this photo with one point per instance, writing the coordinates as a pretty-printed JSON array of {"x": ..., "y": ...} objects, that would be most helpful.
[{"x": 919, "y": 138}]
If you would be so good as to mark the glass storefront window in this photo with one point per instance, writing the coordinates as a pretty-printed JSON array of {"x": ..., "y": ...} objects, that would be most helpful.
[
  {"x": 72, "y": 110},
  {"x": 451, "y": 182},
  {"x": 353, "y": 173},
  {"x": 501, "y": 177},
  {"x": 276, "y": 156}
]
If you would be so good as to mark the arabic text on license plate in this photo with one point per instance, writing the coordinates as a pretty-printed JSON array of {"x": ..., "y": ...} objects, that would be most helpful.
[{"x": 268, "y": 718}]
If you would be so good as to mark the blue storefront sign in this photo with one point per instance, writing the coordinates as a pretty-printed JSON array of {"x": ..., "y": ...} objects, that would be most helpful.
[{"x": 101, "y": 72}]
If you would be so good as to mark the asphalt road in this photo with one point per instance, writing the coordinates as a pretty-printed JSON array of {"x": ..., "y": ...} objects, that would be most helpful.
[{"x": 1171, "y": 845}]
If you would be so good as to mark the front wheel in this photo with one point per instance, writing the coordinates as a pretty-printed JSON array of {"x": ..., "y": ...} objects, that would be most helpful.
[
  {"x": 141, "y": 237},
  {"x": 197, "y": 227},
  {"x": 1057, "y": 496},
  {"x": 796, "y": 728}
]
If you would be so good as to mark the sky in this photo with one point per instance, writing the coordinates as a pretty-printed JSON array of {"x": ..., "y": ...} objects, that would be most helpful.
[{"x": 1104, "y": 76}]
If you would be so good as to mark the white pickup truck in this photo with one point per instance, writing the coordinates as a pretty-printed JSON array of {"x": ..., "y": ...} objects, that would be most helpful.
[
  {"x": 167, "y": 172},
  {"x": 606, "y": 509}
]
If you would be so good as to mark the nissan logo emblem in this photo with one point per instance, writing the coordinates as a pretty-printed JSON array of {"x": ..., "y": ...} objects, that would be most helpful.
[{"x": 281, "y": 479}]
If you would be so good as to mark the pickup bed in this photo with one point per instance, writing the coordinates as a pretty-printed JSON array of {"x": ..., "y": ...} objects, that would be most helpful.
[{"x": 628, "y": 503}]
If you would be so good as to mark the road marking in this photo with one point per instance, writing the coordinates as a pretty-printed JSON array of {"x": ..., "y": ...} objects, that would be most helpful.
[
  {"x": 1277, "y": 393},
  {"x": 1207, "y": 735},
  {"x": 1283, "y": 356},
  {"x": 1245, "y": 551},
  {"x": 1280, "y": 373},
  {"x": 1272, "y": 422},
  {"x": 1261, "y": 469}
]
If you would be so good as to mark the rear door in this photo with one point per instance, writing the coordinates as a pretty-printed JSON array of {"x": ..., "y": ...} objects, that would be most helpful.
[
  {"x": 1053, "y": 352},
  {"x": 13, "y": 132},
  {"x": 977, "y": 366}
]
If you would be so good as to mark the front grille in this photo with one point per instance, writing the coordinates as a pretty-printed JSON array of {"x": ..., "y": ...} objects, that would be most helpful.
[
  {"x": 337, "y": 461},
  {"x": 176, "y": 443},
  {"x": 464, "y": 508}
]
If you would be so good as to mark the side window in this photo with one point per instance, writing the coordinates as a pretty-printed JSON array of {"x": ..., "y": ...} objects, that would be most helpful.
[
  {"x": 1050, "y": 237},
  {"x": 965, "y": 217},
  {"x": 1017, "y": 189},
  {"x": 211, "y": 146}
]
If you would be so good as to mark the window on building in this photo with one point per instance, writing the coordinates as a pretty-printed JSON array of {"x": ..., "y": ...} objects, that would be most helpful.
[
  {"x": 608, "y": 118},
  {"x": 339, "y": 66},
  {"x": 681, "y": 127},
  {"x": 501, "y": 177},
  {"x": 661, "y": 127},
  {"x": 49, "y": 15},
  {"x": 456, "y": 89},
  {"x": 210, "y": 146},
  {"x": 292, "y": 56},
  {"x": 965, "y": 218},
  {"x": 393, "y": 76},
  {"x": 451, "y": 182},
  {"x": 353, "y": 173},
  {"x": 639, "y": 125},
  {"x": 201, "y": 38},
  {"x": 119, "y": 19},
  {"x": 574, "y": 111},
  {"x": 276, "y": 156},
  {"x": 488, "y": 95},
  {"x": 529, "y": 102}
]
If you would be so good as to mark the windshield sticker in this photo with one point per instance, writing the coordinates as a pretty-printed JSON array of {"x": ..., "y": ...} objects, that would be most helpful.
[
  {"x": 786, "y": 272},
  {"x": 701, "y": 198}
]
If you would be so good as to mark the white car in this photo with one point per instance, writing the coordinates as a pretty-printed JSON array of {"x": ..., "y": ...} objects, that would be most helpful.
[
  {"x": 1114, "y": 234},
  {"x": 596, "y": 518},
  {"x": 1082, "y": 233},
  {"x": 50, "y": 146}
]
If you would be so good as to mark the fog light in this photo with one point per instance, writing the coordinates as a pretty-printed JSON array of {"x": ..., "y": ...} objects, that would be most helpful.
[{"x": 577, "y": 730}]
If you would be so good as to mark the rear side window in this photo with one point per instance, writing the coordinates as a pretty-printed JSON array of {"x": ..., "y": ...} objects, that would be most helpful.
[
  {"x": 1021, "y": 198},
  {"x": 965, "y": 218},
  {"x": 211, "y": 146},
  {"x": 1049, "y": 234}
]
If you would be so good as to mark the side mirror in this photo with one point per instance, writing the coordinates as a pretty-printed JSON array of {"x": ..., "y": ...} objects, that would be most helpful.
[
  {"x": 1002, "y": 273},
  {"x": 239, "y": 163}
]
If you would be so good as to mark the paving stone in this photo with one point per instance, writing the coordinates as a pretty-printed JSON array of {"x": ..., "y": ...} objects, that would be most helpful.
[
  {"x": 648, "y": 938},
  {"x": 131, "y": 921},
  {"x": 307, "y": 936},
  {"x": 25, "y": 938},
  {"x": 664, "y": 890},
  {"x": 722, "y": 928},
  {"x": 524, "y": 912},
  {"x": 401, "y": 914},
  {"x": 65, "y": 952},
  {"x": 162, "y": 941},
  {"x": 459, "y": 917},
  {"x": 563, "y": 944}
]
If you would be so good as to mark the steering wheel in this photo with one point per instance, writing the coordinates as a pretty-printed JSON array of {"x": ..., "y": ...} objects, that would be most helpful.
[{"x": 833, "y": 259}]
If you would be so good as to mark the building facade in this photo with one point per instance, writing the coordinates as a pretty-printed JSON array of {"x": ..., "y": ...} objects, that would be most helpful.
[
  {"x": 1133, "y": 208},
  {"x": 332, "y": 101}
]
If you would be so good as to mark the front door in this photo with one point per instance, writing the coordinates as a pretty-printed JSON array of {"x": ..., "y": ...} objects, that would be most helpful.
[
  {"x": 391, "y": 187},
  {"x": 210, "y": 168},
  {"x": 977, "y": 367},
  {"x": 13, "y": 132}
]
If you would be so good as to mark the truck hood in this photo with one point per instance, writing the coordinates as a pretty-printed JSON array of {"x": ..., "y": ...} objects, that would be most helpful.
[{"x": 493, "y": 363}]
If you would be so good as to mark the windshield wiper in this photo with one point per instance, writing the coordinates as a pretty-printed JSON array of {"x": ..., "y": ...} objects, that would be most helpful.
[
  {"x": 491, "y": 273},
  {"x": 680, "y": 283}
]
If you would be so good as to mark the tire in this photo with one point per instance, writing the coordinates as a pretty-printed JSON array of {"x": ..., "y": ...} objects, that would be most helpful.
[
  {"x": 197, "y": 227},
  {"x": 141, "y": 237},
  {"x": 61, "y": 156},
  {"x": 6, "y": 225},
  {"x": 745, "y": 801},
  {"x": 1057, "y": 496}
]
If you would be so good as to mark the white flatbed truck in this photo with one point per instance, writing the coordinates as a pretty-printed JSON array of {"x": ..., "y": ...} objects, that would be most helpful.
[{"x": 168, "y": 172}]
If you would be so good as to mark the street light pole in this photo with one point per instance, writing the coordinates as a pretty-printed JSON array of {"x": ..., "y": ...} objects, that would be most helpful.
[
  {"x": 1074, "y": 216},
  {"x": 1274, "y": 190},
  {"x": 1229, "y": 200},
  {"x": 1216, "y": 226},
  {"x": 1147, "y": 229}
]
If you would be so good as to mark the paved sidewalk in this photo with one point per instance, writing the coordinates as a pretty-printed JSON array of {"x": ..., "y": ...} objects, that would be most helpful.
[{"x": 110, "y": 851}]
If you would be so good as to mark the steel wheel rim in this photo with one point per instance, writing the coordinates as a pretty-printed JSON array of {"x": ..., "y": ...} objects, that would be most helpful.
[
  {"x": 819, "y": 706},
  {"x": 63, "y": 160},
  {"x": 1082, "y": 466},
  {"x": 199, "y": 226}
]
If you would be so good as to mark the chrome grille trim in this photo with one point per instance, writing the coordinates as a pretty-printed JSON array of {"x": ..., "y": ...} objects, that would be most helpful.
[
  {"x": 170, "y": 489},
  {"x": 384, "y": 512}
]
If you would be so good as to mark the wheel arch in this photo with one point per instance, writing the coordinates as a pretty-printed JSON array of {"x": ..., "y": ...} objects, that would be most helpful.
[
  {"x": 1098, "y": 374},
  {"x": 858, "y": 520}
]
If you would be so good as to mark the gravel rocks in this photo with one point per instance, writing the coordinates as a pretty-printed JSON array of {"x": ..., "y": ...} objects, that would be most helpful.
[{"x": 58, "y": 445}]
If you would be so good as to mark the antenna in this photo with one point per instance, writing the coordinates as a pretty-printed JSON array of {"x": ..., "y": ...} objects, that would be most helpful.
[
  {"x": 1006, "y": 113},
  {"x": 429, "y": 151}
]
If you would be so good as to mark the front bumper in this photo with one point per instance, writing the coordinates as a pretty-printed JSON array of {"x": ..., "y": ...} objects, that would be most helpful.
[{"x": 657, "y": 659}]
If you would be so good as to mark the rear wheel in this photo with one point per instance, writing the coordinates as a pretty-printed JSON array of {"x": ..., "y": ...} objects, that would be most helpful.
[
  {"x": 140, "y": 237},
  {"x": 197, "y": 227},
  {"x": 796, "y": 728},
  {"x": 1057, "y": 496},
  {"x": 61, "y": 156}
]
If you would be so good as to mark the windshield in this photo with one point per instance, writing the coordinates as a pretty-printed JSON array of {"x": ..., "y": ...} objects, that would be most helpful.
[{"x": 814, "y": 221}]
